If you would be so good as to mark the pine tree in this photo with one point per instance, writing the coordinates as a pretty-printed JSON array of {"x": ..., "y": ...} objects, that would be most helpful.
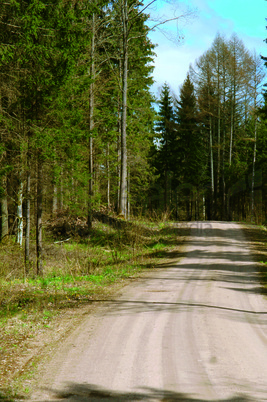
[{"x": 165, "y": 156}]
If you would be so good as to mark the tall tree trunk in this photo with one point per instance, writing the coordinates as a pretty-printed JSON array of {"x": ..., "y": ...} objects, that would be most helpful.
[
  {"x": 28, "y": 221},
  {"x": 123, "y": 178},
  {"x": 118, "y": 173},
  {"x": 4, "y": 209},
  {"x": 19, "y": 237},
  {"x": 253, "y": 171},
  {"x": 55, "y": 191},
  {"x": 231, "y": 134},
  {"x": 54, "y": 202},
  {"x": 211, "y": 171},
  {"x": 258, "y": 75},
  {"x": 108, "y": 177},
  {"x": 128, "y": 194},
  {"x": 223, "y": 178},
  {"x": 73, "y": 187},
  {"x": 219, "y": 149},
  {"x": 166, "y": 190},
  {"x": 224, "y": 135},
  {"x": 61, "y": 196},
  {"x": 39, "y": 244},
  {"x": 91, "y": 127},
  {"x": 229, "y": 213}
]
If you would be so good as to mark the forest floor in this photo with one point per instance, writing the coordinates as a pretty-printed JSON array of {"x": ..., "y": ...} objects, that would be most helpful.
[{"x": 29, "y": 335}]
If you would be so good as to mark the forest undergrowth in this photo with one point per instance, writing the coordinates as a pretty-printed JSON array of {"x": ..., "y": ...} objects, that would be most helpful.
[{"x": 79, "y": 267}]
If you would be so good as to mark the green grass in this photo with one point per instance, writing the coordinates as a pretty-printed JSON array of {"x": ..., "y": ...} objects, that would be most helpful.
[
  {"x": 75, "y": 272},
  {"x": 81, "y": 268},
  {"x": 263, "y": 272}
]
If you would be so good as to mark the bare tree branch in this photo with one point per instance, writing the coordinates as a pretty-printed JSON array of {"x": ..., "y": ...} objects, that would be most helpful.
[{"x": 168, "y": 20}]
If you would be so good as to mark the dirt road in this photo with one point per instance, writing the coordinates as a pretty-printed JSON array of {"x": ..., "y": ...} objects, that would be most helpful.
[{"x": 194, "y": 331}]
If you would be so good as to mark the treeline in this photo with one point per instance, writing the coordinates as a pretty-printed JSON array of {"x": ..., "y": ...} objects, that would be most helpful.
[
  {"x": 73, "y": 76},
  {"x": 211, "y": 149}
]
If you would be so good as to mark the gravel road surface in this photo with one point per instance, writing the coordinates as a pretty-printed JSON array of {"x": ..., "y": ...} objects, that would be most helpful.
[{"x": 192, "y": 331}]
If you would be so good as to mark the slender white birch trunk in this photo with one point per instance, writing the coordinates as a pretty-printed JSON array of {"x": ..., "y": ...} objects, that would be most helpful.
[
  {"x": 28, "y": 221},
  {"x": 19, "y": 237}
]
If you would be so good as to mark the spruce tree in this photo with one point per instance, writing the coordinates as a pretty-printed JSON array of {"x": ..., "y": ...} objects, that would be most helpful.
[
  {"x": 42, "y": 51},
  {"x": 189, "y": 145},
  {"x": 165, "y": 156}
]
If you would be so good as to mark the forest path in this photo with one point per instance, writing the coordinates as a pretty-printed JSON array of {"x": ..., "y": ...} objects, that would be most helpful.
[{"x": 192, "y": 331}]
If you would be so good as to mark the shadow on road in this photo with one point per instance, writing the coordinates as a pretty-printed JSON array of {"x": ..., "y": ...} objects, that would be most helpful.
[
  {"x": 119, "y": 307},
  {"x": 232, "y": 269},
  {"x": 93, "y": 393},
  {"x": 228, "y": 254}
]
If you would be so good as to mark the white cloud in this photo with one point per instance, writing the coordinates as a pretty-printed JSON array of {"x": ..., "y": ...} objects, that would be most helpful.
[{"x": 172, "y": 62}]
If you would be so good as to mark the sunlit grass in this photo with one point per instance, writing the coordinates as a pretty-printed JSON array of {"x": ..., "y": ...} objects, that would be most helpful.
[
  {"x": 78, "y": 269},
  {"x": 76, "y": 272}
]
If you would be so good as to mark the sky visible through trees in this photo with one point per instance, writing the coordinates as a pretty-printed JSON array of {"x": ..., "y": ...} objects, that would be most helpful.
[{"x": 245, "y": 18}]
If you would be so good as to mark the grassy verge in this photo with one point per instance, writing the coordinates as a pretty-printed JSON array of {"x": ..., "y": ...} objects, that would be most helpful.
[{"x": 76, "y": 272}]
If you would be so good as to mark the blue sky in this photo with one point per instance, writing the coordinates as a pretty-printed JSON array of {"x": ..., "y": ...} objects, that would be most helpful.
[{"x": 246, "y": 18}]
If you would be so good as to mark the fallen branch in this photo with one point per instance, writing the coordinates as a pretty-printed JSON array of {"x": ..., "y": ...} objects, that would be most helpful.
[{"x": 62, "y": 241}]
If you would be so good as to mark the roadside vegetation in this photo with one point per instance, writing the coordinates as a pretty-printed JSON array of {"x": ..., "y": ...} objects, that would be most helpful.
[
  {"x": 257, "y": 236},
  {"x": 78, "y": 270}
]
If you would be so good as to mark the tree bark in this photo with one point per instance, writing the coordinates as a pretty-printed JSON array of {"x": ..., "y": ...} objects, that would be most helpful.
[
  {"x": 211, "y": 170},
  {"x": 166, "y": 190},
  {"x": 55, "y": 190},
  {"x": 4, "y": 209},
  {"x": 91, "y": 127},
  {"x": 39, "y": 244},
  {"x": 253, "y": 171},
  {"x": 108, "y": 177},
  {"x": 123, "y": 178},
  {"x": 61, "y": 196},
  {"x": 19, "y": 237},
  {"x": 28, "y": 222},
  {"x": 231, "y": 134},
  {"x": 55, "y": 203},
  {"x": 128, "y": 195}
]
